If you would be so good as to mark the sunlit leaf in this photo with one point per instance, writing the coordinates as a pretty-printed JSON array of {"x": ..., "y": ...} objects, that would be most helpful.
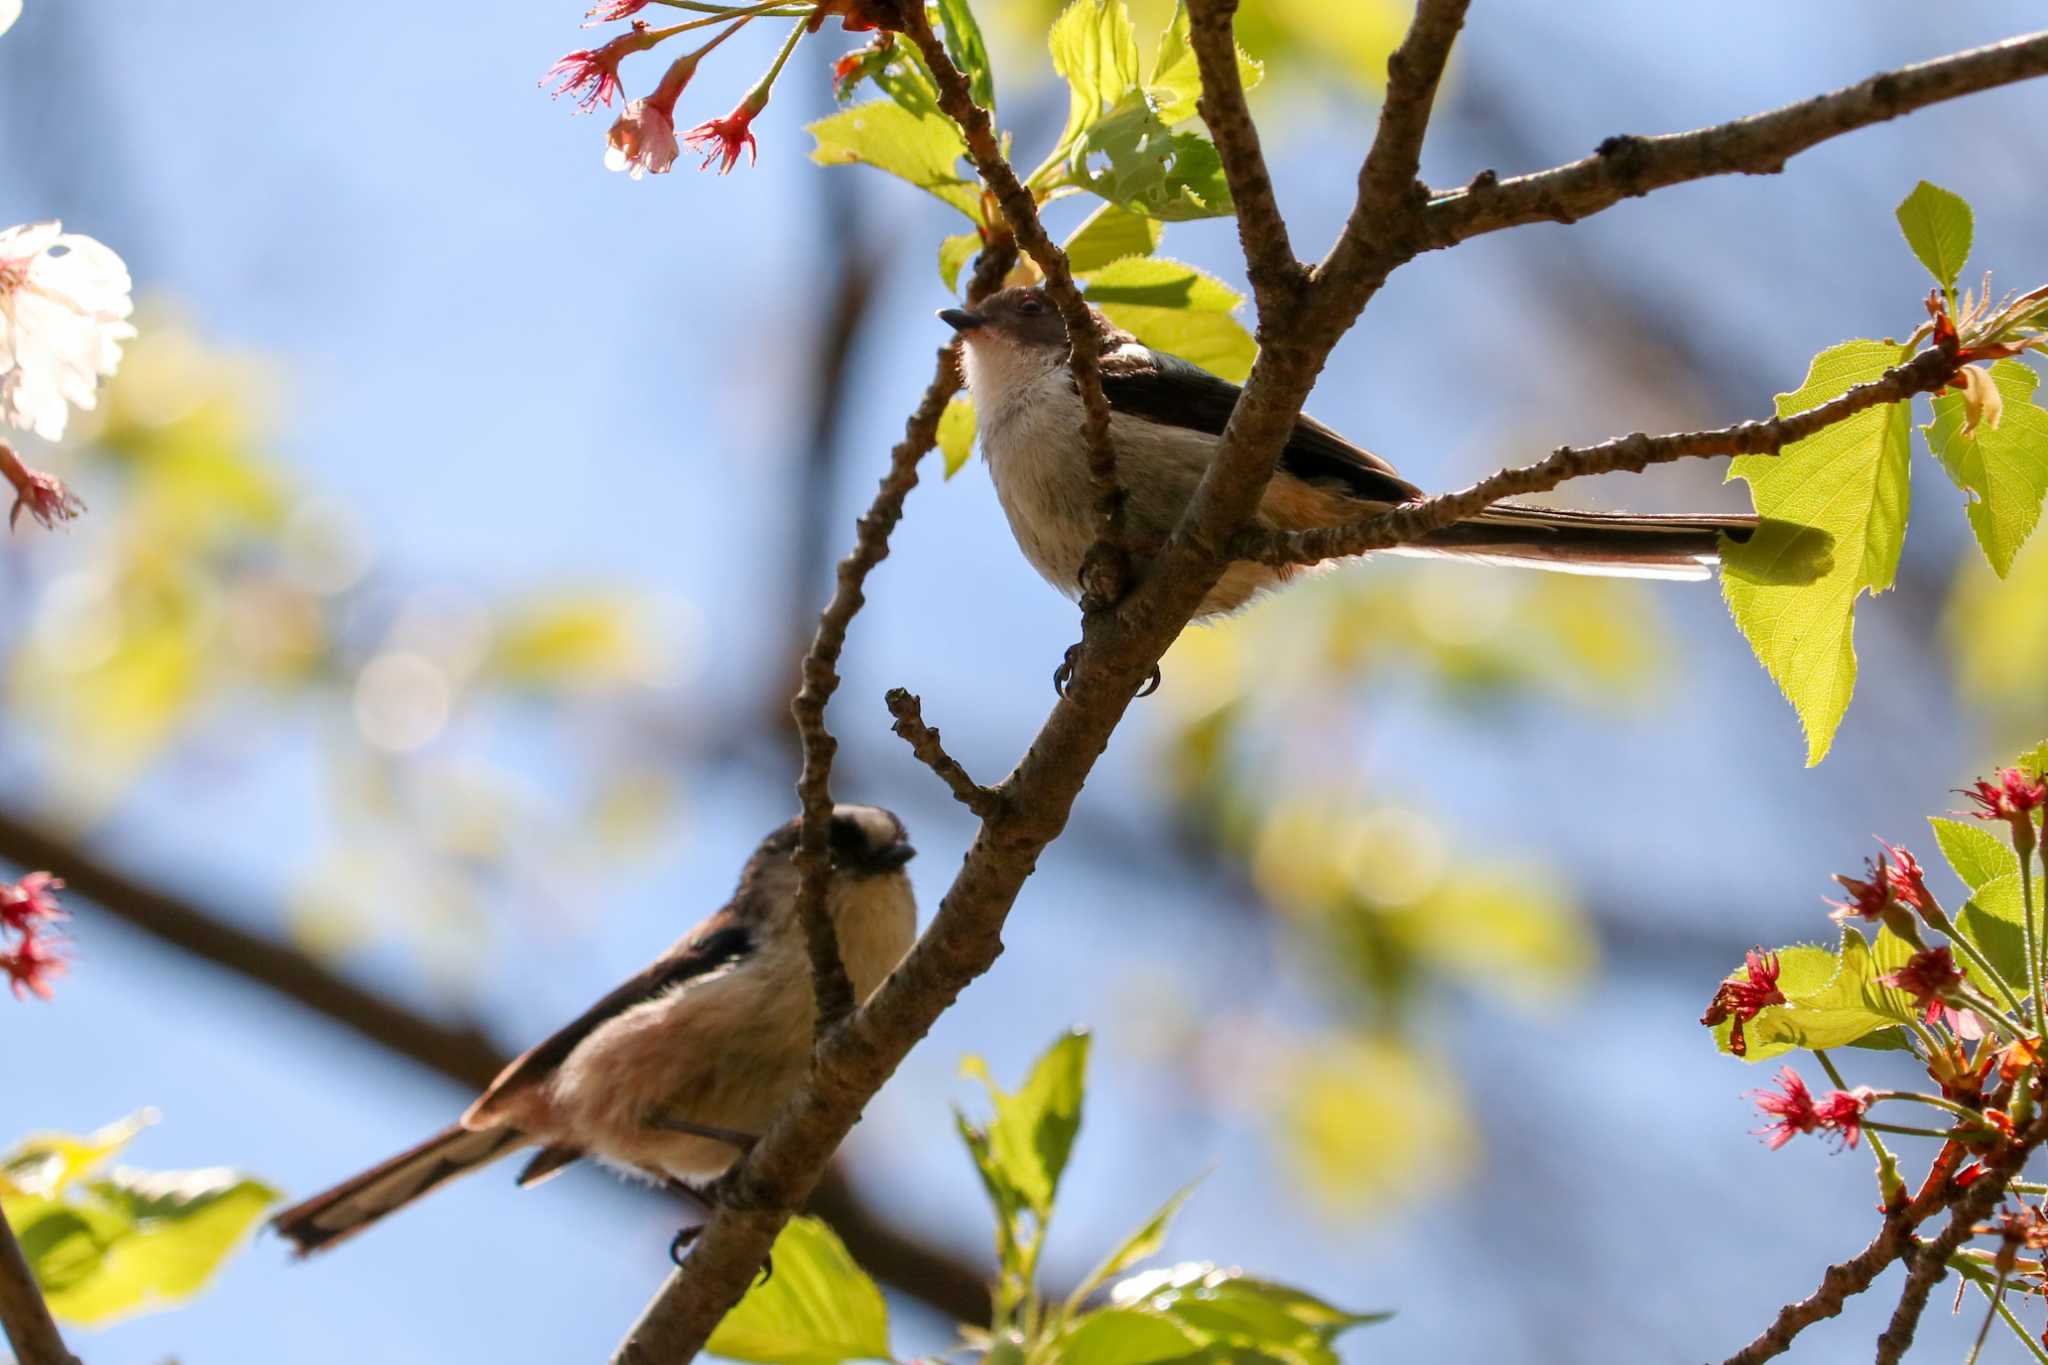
[
  {"x": 1176, "y": 80},
  {"x": 45, "y": 1163},
  {"x": 1849, "y": 1007},
  {"x": 1791, "y": 598},
  {"x": 924, "y": 149},
  {"x": 818, "y": 1308},
  {"x": 1094, "y": 49},
  {"x": 1176, "y": 308},
  {"x": 1992, "y": 919},
  {"x": 956, "y": 433},
  {"x": 2003, "y": 469},
  {"x": 136, "y": 1241},
  {"x": 1226, "y": 1307},
  {"x": 1937, "y": 224},
  {"x": 10, "y": 10},
  {"x": 1126, "y": 1336},
  {"x": 1032, "y": 1132},
  {"x": 1803, "y": 970},
  {"x": 1976, "y": 854},
  {"x": 954, "y": 254},
  {"x": 1110, "y": 234}
]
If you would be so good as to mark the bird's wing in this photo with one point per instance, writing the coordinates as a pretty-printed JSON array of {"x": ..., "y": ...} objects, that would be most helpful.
[
  {"x": 1163, "y": 388},
  {"x": 717, "y": 941}
]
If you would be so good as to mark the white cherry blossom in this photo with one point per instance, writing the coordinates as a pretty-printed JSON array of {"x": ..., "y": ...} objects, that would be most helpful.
[{"x": 63, "y": 316}]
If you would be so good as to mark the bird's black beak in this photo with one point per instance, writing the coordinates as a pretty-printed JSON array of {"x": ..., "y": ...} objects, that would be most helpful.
[{"x": 961, "y": 319}]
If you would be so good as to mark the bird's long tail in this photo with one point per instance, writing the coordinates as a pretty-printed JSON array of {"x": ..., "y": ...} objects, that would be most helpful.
[
  {"x": 1614, "y": 544},
  {"x": 356, "y": 1203}
]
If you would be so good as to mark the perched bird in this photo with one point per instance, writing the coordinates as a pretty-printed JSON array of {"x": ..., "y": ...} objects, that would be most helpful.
[
  {"x": 1166, "y": 416},
  {"x": 674, "y": 1074}
]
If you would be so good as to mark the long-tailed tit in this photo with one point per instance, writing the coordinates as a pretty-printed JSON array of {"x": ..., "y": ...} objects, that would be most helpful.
[
  {"x": 673, "y": 1074},
  {"x": 1166, "y": 416}
]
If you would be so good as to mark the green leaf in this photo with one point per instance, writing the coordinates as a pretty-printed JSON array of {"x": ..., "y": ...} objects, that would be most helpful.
[
  {"x": 1792, "y": 599},
  {"x": 1804, "y": 969},
  {"x": 1992, "y": 920},
  {"x": 1094, "y": 50},
  {"x": 1143, "y": 1243},
  {"x": 956, "y": 433},
  {"x": 135, "y": 1241},
  {"x": 1937, "y": 224},
  {"x": 954, "y": 253},
  {"x": 2004, "y": 468},
  {"x": 1110, "y": 234},
  {"x": 1850, "y": 1006},
  {"x": 1227, "y": 1308},
  {"x": 1126, "y": 1336},
  {"x": 1176, "y": 308},
  {"x": 1977, "y": 855},
  {"x": 818, "y": 1308},
  {"x": 46, "y": 1163},
  {"x": 1176, "y": 80},
  {"x": 922, "y": 148},
  {"x": 1026, "y": 1145}
]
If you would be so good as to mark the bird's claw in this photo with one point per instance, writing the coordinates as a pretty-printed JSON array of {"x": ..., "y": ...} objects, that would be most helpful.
[
  {"x": 679, "y": 1246},
  {"x": 1063, "y": 676}
]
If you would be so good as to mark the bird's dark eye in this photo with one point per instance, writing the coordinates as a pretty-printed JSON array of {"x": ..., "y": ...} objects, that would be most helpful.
[{"x": 1031, "y": 305}]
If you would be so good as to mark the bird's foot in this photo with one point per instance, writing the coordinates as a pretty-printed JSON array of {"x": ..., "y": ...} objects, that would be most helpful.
[
  {"x": 1063, "y": 676},
  {"x": 679, "y": 1247}
]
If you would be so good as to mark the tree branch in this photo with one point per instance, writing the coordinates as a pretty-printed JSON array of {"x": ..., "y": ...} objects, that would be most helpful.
[
  {"x": 30, "y": 1329},
  {"x": 1277, "y": 275},
  {"x": 1628, "y": 166},
  {"x": 908, "y": 710},
  {"x": 1928, "y": 1261},
  {"x": 1120, "y": 647},
  {"x": 1927, "y": 372},
  {"x": 820, "y": 666},
  {"x": 1106, "y": 572},
  {"x": 1842, "y": 1281}
]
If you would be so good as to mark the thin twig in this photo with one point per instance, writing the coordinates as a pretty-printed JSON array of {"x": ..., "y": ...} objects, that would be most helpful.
[
  {"x": 908, "y": 710},
  {"x": 1627, "y": 166},
  {"x": 1929, "y": 1260},
  {"x": 1925, "y": 373},
  {"x": 1276, "y": 274},
  {"x": 820, "y": 666},
  {"x": 1106, "y": 571},
  {"x": 1841, "y": 1282},
  {"x": 30, "y": 1329}
]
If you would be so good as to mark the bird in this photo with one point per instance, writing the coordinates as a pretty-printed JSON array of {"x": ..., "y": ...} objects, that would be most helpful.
[
  {"x": 1166, "y": 419},
  {"x": 673, "y": 1075}
]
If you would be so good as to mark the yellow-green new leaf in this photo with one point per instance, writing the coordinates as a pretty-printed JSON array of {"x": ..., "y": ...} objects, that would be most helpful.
[
  {"x": 1094, "y": 49},
  {"x": 819, "y": 1307},
  {"x": 2003, "y": 469},
  {"x": 1128, "y": 1336},
  {"x": 1977, "y": 855},
  {"x": 44, "y": 1164},
  {"x": 954, "y": 253},
  {"x": 956, "y": 433},
  {"x": 1849, "y": 1008},
  {"x": 1804, "y": 970},
  {"x": 1792, "y": 599},
  {"x": 137, "y": 1241},
  {"x": 1176, "y": 80},
  {"x": 922, "y": 148},
  {"x": 1937, "y": 224},
  {"x": 1025, "y": 1146},
  {"x": 1110, "y": 234},
  {"x": 1139, "y": 1246},
  {"x": 1176, "y": 308}
]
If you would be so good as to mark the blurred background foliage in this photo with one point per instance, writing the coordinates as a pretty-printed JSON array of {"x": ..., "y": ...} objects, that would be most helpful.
[{"x": 435, "y": 617}]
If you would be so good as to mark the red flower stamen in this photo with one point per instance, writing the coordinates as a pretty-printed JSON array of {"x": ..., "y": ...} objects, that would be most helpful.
[{"x": 1742, "y": 998}]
